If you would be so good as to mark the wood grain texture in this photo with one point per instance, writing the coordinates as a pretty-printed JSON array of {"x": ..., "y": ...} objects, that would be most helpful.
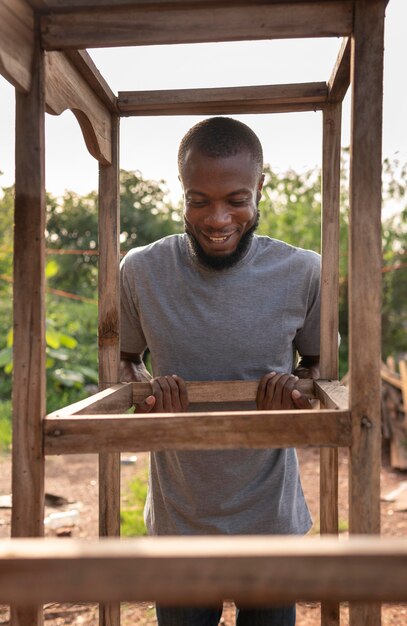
[
  {"x": 196, "y": 431},
  {"x": 252, "y": 570},
  {"x": 29, "y": 321},
  {"x": 83, "y": 62},
  {"x": 365, "y": 279},
  {"x": 333, "y": 394},
  {"x": 221, "y": 391},
  {"x": 115, "y": 399},
  {"x": 16, "y": 43},
  {"x": 109, "y": 348},
  {"x": 340, "y": 78},
  {"x": 67, "y": 89},
  {"x": 164, "y": 24},
  {"x": 260, "y": 98}
]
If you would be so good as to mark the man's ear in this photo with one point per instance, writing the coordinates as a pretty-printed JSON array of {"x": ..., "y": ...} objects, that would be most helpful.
[{"x": 261, "y": 182}]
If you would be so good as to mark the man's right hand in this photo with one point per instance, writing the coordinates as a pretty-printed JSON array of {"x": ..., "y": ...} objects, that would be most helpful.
[{"x": 169, "y": 396}]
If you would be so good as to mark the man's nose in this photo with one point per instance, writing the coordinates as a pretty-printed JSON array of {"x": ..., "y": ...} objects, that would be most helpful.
[{"x": 218, "y": 216}]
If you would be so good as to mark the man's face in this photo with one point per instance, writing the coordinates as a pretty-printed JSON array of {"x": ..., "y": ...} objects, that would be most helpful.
[{"x": 221, "y": 197}]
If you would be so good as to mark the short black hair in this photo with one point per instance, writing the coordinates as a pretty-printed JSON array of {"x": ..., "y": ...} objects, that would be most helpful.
[{"x": 220, "y": 137}]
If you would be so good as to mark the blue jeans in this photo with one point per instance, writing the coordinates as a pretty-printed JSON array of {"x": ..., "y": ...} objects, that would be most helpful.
[{"x": 275, "y": 616}]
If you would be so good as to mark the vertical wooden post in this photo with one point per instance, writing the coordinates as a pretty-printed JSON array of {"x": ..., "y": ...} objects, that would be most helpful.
[
  {"x": 365, "y": 279},
  {"x": 331, "y": 161},
  {"x": 109, "y": 349},
  {"x": 29, "y": 321}
]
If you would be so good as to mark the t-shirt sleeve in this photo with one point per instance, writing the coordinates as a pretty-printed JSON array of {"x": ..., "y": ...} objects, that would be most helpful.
[
  {"x": 307, "y": 338},
  {"x": 132, "y": 338}
]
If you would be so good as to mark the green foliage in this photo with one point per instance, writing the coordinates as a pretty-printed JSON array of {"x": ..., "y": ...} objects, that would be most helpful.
[
  {"x": 5, "y": 425},
  {"x": 131, "y": 517}
]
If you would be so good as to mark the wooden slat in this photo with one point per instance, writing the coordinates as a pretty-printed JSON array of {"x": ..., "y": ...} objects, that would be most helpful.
[
  {"x": 29, "y": 321},
  {"x": 365, "y": 279},
  {"x": 86, "y": 67},
  {"x": 332, "y": 394},
  {"x": 196, "y": 431},
  {"x": 115, "y": 399},
  {"x": 222, "y": 100},
  {"x": 67, "y": 89},
  {"x": 205, "y": 570},
  {"x": 340, "y": 78},
  {"x": 331, "y": 155},
  {"x": 16, "y": 43},
  {"x": 109, "y": 348},
  {"x": 163, "y": 24},
  {"x": 221, "y": 391},
  {"x": 72, "y": 5}
]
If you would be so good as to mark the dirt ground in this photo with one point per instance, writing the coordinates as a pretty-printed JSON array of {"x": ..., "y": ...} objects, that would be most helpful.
[{"x": 75, "y": 478}]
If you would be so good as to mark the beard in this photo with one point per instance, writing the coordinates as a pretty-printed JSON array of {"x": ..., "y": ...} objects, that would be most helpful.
[{"x": 218, "y": 263}]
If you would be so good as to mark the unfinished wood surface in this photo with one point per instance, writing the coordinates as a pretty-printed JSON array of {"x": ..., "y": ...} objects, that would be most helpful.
[
  {"x": 29, "y": 322},
  {"x": 331, "y": 156},
  {"x": 221, "y": 391},
  {"x": 403, "y": 381},
  {"x": 206, "y": 570},
  {"x": 109, "y": 348},
  {"x": 365, "y": 279},
  {"x": 115, "y": 399},
  {"x": 196, "y": 431},
  {"x": 16, "y": 43},
  {"x": 332, "y": 393},
  {"x": 86, "y": 67},
  {"x": 67, "y": 89},
  {"x": 222, "y": 100},
  {"x": 390, "y": 377},
  {"x": 164, "y": 24},
  {"x": 340, "y": 78}
]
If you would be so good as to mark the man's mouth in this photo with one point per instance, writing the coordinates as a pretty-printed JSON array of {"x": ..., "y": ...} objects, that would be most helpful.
[{"x": 218, "y": 238}]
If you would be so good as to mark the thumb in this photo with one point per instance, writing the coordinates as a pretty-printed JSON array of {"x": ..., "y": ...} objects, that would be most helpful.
[
  {"x": 146, "y": 406},
  {"x": 300, "y": 401}
]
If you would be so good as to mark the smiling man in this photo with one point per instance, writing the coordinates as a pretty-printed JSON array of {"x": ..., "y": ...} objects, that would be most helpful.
[{"x": 221, "y": 303}]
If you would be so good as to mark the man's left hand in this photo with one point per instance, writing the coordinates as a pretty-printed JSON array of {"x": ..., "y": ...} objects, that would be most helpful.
[{"x": 277, "y": 392}]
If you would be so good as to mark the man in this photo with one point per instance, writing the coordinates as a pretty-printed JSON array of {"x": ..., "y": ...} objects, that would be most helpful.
[{"x": 221, "y": 303}]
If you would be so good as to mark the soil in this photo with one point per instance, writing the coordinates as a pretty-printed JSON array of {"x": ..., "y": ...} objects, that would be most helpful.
[{"x": 74, "y": 477}]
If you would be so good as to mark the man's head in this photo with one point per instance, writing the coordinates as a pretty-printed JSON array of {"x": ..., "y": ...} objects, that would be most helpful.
[{"x": 220, "y": 164}]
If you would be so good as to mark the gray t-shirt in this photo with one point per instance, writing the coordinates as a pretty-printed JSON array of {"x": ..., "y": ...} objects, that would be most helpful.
[{"x": 234, "y": 324}]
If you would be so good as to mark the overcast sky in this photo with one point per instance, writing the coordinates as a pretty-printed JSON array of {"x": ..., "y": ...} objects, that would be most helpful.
[{"x": 150, "y": 144}]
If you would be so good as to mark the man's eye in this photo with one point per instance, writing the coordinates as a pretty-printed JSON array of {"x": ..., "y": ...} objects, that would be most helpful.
[
  {"x": 238, "y": 202},
  {"x": 196, "y": 203}
]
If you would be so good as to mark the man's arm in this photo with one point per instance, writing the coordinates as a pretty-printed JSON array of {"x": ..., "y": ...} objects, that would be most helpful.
[
  {"x": 132, "y": 368},
  {"x": 308, "y": 367}
]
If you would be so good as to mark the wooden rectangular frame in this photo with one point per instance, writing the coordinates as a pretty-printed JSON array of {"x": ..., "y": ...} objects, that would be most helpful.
[{"x": 40, "y": 25}]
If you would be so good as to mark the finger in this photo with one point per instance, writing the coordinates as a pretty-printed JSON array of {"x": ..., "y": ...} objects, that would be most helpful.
[
  {"x": 146, "y": 406},
  {"x": 166, "y": 393},
  {"x": 300, "y": 401},
  {"x": 175, "y": 399},
  {"x": 158, "y": 394},
  {"x": 183, "y": 393},
  {"x": 287, "y": 391},
  {"x": 275, "y": 390},
  {"x": 261, "y": 390}
]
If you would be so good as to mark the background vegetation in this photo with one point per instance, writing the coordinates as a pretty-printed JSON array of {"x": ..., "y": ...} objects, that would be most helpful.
[{"x": 290, "y": 210}]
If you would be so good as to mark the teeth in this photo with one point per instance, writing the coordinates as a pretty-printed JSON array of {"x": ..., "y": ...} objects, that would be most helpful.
[{"x": 217, "y": 239}]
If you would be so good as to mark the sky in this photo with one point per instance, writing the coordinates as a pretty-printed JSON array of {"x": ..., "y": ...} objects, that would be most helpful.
[{"x": 290, "y": 140}]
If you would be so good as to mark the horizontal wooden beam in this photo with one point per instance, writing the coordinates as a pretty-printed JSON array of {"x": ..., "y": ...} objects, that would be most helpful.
[
  {"x": 115, "y": 399},
  {"x": 16, "y": 43},
  {"x": 257, "y": 99},
  {"x": 196, "y": 431},
  {"x": 161, "y": 23},
  {"x": 332, "y": 394},
  {"x": 221, "y": 391},
  {"x": 339, "y": 80},
  {"x": 86, "y": 67},
  {"x": 206, "y": 570}
]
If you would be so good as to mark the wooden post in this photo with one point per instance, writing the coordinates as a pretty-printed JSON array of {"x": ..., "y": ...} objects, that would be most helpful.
[
  {"x": 109, "y": 349},
  {"x": 331, "y": 158},
  {"x": 29, "y": 321},
  {"x": 365, "y": 279}
]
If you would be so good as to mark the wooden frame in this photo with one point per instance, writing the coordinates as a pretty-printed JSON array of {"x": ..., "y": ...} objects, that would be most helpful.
[{"x": 65, "y": 77}]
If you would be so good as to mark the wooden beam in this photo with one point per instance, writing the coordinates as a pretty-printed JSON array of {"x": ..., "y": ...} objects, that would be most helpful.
[
  {"x": 205, "y": 570},
  {"x": 29, "y": 320},
  {"x": 256, "y": 99},
  {"x": 332, "y": 394},
  {"x": 365, "y": 279},
  {"x": 196, "y": 431},
  {"x": 86, "y": 67},
  {"x": 66, "y": 89},
  {"x": 328, "y": 475},
  {"x": 109, "y": 348},
  {"x": 16, "y": 43},
  {"x": 340, "y": 78},
  {"x": 115, "y": 399},
  {"x": 170, "y": 24},
  {"x": 220, "y": 391}
]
